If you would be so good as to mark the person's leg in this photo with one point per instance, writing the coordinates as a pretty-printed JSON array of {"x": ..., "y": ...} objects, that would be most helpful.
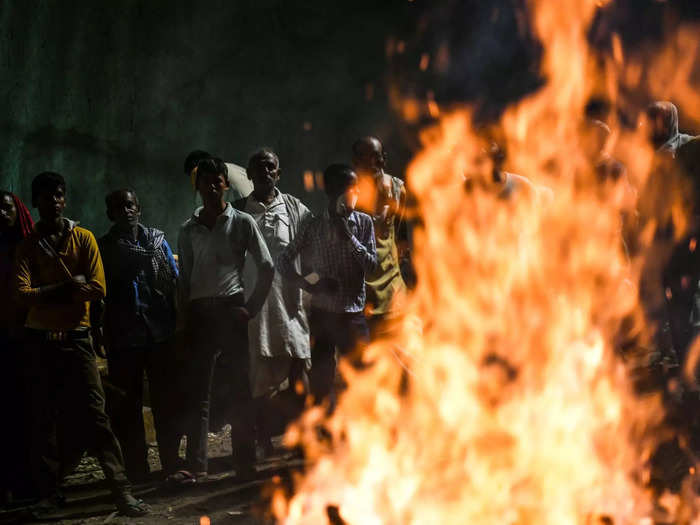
[
  {"x": 83, "y": 387},
  {"x": 243, "y": 424},
  {"x": 42, "y": 374},
  {"x": 205, "y": 335},
  {"x": 353, "y": 334},
  {"x": 323, "y": 355},
  {"x": 160, "y": 367},
  {"x": 126, "y": 367}
]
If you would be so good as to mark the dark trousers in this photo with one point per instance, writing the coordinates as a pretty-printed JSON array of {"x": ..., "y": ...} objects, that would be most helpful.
[
  {"x": 217, "y": 338},
  {"x": 126, "y": 370},
  {"x": 274, "y": 412},
  {"x": 15, "y": 392},
  {"x": 68, "y": 392},
  {"x": 330, "y": 331}
]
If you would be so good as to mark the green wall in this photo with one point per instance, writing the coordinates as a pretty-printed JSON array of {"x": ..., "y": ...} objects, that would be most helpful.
[{"x": 115, "y": 93}]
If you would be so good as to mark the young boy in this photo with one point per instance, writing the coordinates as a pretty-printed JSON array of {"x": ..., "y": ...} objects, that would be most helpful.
[
  {"x": 340, "y": 248},
  {"x": 139, "y": 325},
  {"x": 212, "y": 248},
  {"x": 59, "y": 271}
]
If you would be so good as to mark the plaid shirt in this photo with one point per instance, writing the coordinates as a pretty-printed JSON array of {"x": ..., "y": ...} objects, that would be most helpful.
[{"x": 332, "y": 255}]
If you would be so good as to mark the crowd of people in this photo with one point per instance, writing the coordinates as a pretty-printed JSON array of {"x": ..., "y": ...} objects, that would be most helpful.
[
  {"x": 259, "y": 300},
  {"x": 256, "y": 305}
]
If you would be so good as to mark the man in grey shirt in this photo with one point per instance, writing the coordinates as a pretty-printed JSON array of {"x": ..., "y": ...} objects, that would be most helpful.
[{"x": 212, "y": 246}]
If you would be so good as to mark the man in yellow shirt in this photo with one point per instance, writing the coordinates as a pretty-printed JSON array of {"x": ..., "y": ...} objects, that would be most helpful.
[
  {"x": 385, "y": 285},
  {"x": 58, "y": 273}
]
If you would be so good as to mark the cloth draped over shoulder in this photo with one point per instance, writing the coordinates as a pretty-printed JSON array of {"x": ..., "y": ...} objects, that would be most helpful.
[
  {"x": 292, "y": 296},
  {"x": 669, "y": 112}
]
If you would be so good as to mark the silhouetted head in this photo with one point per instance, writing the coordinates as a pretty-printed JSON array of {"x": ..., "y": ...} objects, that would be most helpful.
[
  {"x": 368, "y": 155},
  {"x": 341, "y": 185},
  {"x": 193, "y": 159},
  {"x": 123, "y": 208},
  {"x": 49, "y": 195},
  {"x": 8, "y": 212},
  {"x": 662, "y": 118},
  {"x": 211, "y": 179},
  {"x": 263, "y": 171}
]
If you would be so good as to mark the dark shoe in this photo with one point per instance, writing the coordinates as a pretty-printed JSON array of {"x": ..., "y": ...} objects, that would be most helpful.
[{"x": 128, "y": 505}]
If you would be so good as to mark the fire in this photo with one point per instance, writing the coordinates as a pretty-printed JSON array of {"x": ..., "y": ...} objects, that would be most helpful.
[{"x": 504, "y": 395}]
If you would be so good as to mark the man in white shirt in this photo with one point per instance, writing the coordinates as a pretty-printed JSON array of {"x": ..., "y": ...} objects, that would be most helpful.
[{"x": 213, "y": 245}]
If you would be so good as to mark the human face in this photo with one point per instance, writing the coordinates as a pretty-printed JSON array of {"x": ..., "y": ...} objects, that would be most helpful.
[
  {"x": 51, "y": 203},
  {"x": 347, "y": 199},
  {"x": 212, "y": 186},
  {"x": 126, "y": 211},
  {"x": 264, "y": 172},
  {"x": 371, "y": 159},
  {"x": 8, "y": 213}
]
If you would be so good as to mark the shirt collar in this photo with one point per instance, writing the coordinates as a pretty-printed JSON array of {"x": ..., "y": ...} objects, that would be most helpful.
[
  {"x": 228, "y": 212},
  {"x": 255, "y": 204}
]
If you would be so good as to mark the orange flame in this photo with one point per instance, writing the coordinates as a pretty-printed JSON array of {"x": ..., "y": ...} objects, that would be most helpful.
[{"x": 503, "y": 398}]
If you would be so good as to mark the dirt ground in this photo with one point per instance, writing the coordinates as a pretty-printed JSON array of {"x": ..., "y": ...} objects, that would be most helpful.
[{"x": 221, "y": 498}]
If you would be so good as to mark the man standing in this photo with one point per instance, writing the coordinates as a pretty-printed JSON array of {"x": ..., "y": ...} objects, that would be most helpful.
[
  {"x": 385, "y": 285},
  {"x": 139, "y": 325},
  {"x": 339, "y": 247},
  {"x": 279, "y": 334},
  {"x": 213, "y": 245},
  {"x": 59, "y": 271}
]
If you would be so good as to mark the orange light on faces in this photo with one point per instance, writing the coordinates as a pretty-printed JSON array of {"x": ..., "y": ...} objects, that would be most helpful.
[
  {"x": 424, "y": 62},
  {"x": 204, "y": 520},
  {"x": 367, "y": 197},
  {"x": 308, "y": 180}
]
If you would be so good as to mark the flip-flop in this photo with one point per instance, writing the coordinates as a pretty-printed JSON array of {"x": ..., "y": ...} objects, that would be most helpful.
[
  {"x": 181, "y": 478},
  {"x": 133, "y": 509}
]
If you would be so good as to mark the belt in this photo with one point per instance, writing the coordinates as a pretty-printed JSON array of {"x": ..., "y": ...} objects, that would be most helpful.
[{"x": 58, "y": 336}]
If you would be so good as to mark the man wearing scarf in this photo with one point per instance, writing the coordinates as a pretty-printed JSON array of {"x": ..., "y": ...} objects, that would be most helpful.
[{"x": 139, "y": 324}]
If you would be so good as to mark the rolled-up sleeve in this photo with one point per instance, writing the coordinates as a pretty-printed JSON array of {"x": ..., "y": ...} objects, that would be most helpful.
[{"x": 364, "y": 249}]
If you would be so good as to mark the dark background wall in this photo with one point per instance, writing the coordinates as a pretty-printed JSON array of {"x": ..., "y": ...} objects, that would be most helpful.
[{"x": 115, "y": 93}]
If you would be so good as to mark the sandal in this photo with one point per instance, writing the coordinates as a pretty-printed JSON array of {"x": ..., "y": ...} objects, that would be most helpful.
[
  {"x": 132, "y": 507},
  {"x": 181, "y": 478}
]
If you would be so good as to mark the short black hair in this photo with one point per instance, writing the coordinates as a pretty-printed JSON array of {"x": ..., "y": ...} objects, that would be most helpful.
[
  {"x": 193, "y": 159},
  {"x": 211, "y": 165},
  {"x": 335, "y": 177},
  {"x": 112, "y": 197},
  {"x": 46, "y": 181},
  {"x": 361, "y": 146},
  {"x": 260, "y": 153}
]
